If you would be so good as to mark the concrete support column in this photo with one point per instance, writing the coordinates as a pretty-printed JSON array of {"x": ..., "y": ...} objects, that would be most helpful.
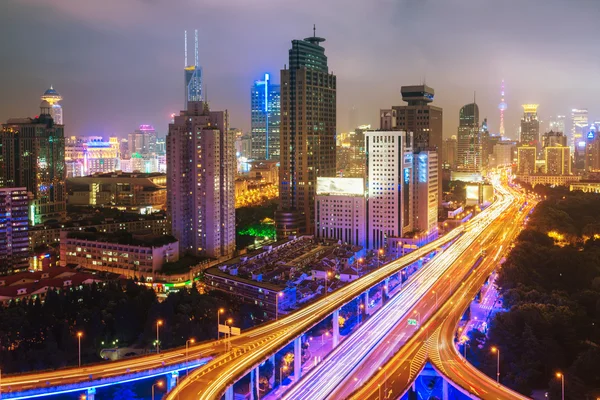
[
  {"x": 272, "y": 380},
  {"x": 367, "y": 302},
  {"x": 91, "y": 394},
  {"x": 336, "y": 328},
  {"x": 445, "y": 390},
  {"x": 253, "y": 388},
  {"x": 297, "y": 359},
  {"x": 172, "y": 380},
  {"x": 229, "y": 393},
  {"x": 385, "y": 295}
]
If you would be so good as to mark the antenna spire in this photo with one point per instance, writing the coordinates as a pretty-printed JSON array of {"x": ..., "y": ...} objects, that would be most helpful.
[
  {"x": 314, "y": 30},
  {"x": 185, "y": 47},
  {"x": 196, "y": 51}
]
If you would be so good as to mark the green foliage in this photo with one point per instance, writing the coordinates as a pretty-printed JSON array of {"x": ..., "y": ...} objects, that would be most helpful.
[{"x": 259, "y": 230}]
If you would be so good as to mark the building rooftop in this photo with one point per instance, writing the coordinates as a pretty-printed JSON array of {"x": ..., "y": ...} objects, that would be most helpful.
[{"x": 124, "y": 238}]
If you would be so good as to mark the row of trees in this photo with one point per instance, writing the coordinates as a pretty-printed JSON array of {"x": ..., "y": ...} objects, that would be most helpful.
[
  {"x": 38, "y": 335},
  {"x": 552, "y": 292}
]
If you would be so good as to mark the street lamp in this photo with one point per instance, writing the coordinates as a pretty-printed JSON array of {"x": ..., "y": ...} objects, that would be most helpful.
[
  {"x": 219, "y": 312},
  {"x": 79, "y": 335},
  {"x": 158, "y": 325},
  {"x": 187, "y": 342},
  {"x": 280, "y": 294},
  {"x": 227, "y": 322},
  {"x": 379, "y": 256},
  {"x": 360, "y": 260},
  {"x": 157, "y": 384},
  {"x": 562, "y": 382},
  {"x": 327, "y": 275},
  {"x": 284, "y": 368},
  {"x": 497, "y": 350}
]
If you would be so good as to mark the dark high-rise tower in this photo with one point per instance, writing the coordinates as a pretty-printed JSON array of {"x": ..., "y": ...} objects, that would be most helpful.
[
  {"x": 469, "y": 139},
  {"x": 530, "y": 125},
  {"x": 266, "y": 116},
  {"x": 32, "y": 155},
  {"x": 308, "y": 124}
]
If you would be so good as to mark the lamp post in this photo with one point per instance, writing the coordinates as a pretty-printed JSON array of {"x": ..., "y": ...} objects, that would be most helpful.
[
  {"x": 158, "y": 325},
  {"x": 360, "y": 260},
  {"x": 379, "y": 256},
  {"x": 219, "y": 312},
  {"x": 497, "y": 350},
  {"x": 327, "y": 275},
  {"x": 562, "y": 383},
  {"x": 157, "y": 384},
  {"x": 280, "y": 294},
  {"x": 187, "y": 342},
  {"x": 79, "y": 335},
  {"x": 229, "y": 321}
]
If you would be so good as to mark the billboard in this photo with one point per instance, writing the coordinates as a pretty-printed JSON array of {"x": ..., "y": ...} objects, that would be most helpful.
[
  {"x": 340, "y": 186},
  {"x": 472, "y": 192}
]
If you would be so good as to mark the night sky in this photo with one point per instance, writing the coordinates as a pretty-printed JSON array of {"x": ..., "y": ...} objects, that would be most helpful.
[{"x": 119, "y": 63}]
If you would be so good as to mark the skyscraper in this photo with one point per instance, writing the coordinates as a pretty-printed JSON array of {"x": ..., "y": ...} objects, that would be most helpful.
[
  {"x": 142, "y": 141},
  {"x": 308, "y": 127},
  {"x": 526, "y": 156},
  {"x": 32, "y": 155},
  {"x": 579, "y": 124},
  {"x": 266, "y": 117},
  {"x": 14, "y": 230},
  {"x": 53, "y": 98},
  {"x": 200, "y": 184},
  {"x": 502, "y": 107},
  {"x": 530, "y": 126},
  {"x": 557, "y": 124},
  {"x": 449, "y": 153},
  {"x": 421, "y": 118},
  {"x": 192, "y": 75},
  {"x": 469, "y": 139}
]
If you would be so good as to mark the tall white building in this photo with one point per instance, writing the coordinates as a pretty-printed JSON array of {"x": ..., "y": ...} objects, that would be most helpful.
[
  {"x": 201, "y": 174},
  {"x": 340, "y": 210},
  {"x": 425, "y": 191},
  {"x": 389, "y": 171}
]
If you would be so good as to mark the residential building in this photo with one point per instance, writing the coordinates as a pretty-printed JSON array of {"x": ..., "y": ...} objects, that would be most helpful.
[
  {"x": 526, "y": 156},
  {"x": 390, "y": 172},
  {"x": 265, "y": 119},
  {"x": 552, "y": 138},
  {"x": 124, "y": 253},
  {"x": 449, "y": 153},
  {"x": 139, "y": 192},
  {"x": 502, "y": 154},
  {"x": 558, "y": 160},
  {"x": 308, "y": 128},
  {"x": 32, "y": 155},
  {"x": 530, "y": 126},
  {"x": 14, "y": 227},
  {"x": 200, "y": 181},
  {"x": 469, "y": 139},
  {"x": 341, "y": 212}
]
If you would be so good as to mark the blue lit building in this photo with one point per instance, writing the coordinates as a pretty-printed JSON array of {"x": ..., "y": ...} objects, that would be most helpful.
[
  {"x": 265, "y": 103},
  {"x": 193, "y": 75},
  {"x": 14, "y": 230}
]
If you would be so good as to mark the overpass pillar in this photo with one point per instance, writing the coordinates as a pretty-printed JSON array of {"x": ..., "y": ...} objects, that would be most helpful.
[
  {"x": 172, "y": 380},
  {"x": 336, "y": 328},
  {"x": 445, "y": 389},
  {"x": 91, "y": 394},
  {"x": 367, "y": 302},
  {"x": 229, "y": 393},
  {"x": 385, "y": 295},
  {"x": 272, "y": 379},
  {"x": 297, "y": 359},
  {"x": 253, "y": 389}
]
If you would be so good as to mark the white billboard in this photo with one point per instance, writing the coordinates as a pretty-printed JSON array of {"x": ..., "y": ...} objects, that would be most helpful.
[{"x": 341, "y": 186}]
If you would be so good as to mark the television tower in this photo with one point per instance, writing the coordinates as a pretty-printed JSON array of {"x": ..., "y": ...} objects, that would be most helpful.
[{"x": 502, "y": 106}]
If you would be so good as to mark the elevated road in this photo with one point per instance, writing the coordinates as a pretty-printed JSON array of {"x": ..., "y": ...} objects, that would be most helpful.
[
  {"x": 377, "y": 379},
  {"x": 211, "y": 381}
]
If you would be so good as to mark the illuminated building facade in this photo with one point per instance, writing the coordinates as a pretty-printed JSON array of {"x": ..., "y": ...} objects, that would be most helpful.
[
  {"x": 389, "y": 186},
  {"x": 14, "y": 227},
  {"x": 75, "y": 156},
  {"x": 579, "y": 125},
  {"x": 200, "y": 181},
  {"x": 192, "y": 75},
  {"x": 308, "y": 128},
  {"x": 557, "y": 124},
  {"x": 526, "y": 156},
  {"x": 53, "y": 98},
  {"x": 449, "y": 153},
  {"x": 469, "y": 139},
  {"x": 341, "y": 214},
  {"x": 425, "y": 186},
  {"x": 502, "y": 107},
  {"x": 101, "y": 156},
  {"x": 530, "y": 126},
  {"x": 142, "y": 141},
  {"x": 558, "y": 160},
  {"x": 592, "y": 151},
  {"x": 32, "y": 155},
  {"x": 266, "y": 117}
]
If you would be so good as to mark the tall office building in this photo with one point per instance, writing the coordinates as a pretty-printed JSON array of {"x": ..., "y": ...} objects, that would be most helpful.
[
  {"x": 425, "y": 188},
  {"x": 502, "y": 107},
  {"x": 558, "y": 160},
  {"x": 557, "y": 124},
  {"x": 53, "y": 98},
  {"x": 526, "y": 156},
  {"x": 308, "y": 128},
  {"x": 192, "y": 74},
  {"x": 469, "y": 139},
  {"x": 266, "y": 117},
  {"x": 554, "y": 138},
  {"x": 200, "y": 184},
  {"x": 389, "y": 186},
  {"x": 449, "y": 153},
  {"x": 32, "y": 155},
  {"x": 421, "y": 118},
  {"x": 579, "y": 125},
  {"x": 142, "y": 141},
  {"x": 14, "y": 230},
  {"x": 592, "y": 150},
  {"x": 530, "y": 126}
]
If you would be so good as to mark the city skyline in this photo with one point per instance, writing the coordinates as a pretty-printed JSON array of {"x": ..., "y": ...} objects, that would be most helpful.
[{"x": 98, "y": 73}]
